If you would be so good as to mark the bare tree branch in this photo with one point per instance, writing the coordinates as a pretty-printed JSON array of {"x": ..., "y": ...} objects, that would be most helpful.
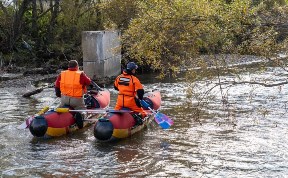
[
  {"x": 259, "y": 83},
  {"x": 252, "y": 83}
]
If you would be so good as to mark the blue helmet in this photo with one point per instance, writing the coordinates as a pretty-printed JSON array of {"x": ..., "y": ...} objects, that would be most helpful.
[{"x": 131, "y": 66}]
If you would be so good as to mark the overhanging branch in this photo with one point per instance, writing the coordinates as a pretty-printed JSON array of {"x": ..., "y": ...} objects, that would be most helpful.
[{"x": 252, "y": 83}]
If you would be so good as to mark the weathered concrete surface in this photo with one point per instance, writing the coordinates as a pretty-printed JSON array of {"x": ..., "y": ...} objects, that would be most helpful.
[{"x": 101, "y": 54}]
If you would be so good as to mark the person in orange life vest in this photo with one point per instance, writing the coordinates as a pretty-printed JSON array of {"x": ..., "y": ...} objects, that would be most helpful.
[
  {"x": 70, "y": 85},
  {"x": 130, "y": 90}
]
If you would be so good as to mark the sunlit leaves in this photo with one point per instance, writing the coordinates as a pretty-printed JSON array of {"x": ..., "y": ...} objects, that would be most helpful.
[
  {"x": 119, "y": 13},
  {"x": 167, "y": 34},
  {"x": 170, "y": 35}
]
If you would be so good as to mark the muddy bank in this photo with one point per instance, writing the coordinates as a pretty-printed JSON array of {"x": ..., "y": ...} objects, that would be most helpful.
[{"x": 39, "y": 77}]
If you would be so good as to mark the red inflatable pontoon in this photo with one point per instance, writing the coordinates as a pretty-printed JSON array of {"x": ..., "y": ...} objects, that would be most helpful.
[
  {"x": 52, "y": 123},
  {"x": 114, "y": 126}
]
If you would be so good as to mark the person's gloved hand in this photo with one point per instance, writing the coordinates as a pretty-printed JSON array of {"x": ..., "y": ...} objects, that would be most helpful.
[
  {"x": 93, "y": 92},
  {"x": 57, "y": 92},
  {"x": 137, "y": 101},
  {"x": 90, "y": 87}
]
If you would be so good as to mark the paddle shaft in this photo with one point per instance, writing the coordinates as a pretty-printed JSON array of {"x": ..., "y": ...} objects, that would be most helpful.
[
  {"x": 62, "y": 110},
  {"x": 145, "y": 104},
  {"x": 88, "y": 111},
  {"x": 96, "y": 86},
  {"x": 28, "y": 120},
  {"x": 161, "y": 119},
  {"x": 152, "y": 110}
]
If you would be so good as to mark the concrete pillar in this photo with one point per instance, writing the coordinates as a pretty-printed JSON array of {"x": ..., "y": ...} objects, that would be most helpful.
[{"x": 101, "y": 54}]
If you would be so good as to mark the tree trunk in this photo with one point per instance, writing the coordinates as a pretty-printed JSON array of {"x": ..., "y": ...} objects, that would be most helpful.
[
  {"x": 41, "y": 6},
  {"x": 53, "y": 20},
  {"x": 35, "y": 30},
  {"x": 18, "y": 23}
]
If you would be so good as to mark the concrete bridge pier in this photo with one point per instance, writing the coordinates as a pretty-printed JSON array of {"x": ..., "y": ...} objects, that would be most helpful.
[{"x": 101, "y": 55}]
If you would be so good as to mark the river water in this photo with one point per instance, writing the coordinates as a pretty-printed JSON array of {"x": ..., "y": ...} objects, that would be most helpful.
[{"x": 248, "y": 141}]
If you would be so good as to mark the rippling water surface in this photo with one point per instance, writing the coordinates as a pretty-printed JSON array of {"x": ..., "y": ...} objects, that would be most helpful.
[{"x": 251, "y": 141}]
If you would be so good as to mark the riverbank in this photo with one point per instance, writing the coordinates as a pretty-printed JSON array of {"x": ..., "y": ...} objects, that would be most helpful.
[
  {"x": 18, "y": 80},
  {"x": 39, "y": 77}
]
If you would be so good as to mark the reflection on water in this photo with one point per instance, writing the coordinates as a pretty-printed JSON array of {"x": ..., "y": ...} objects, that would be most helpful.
[{"x": 241, "y": 144}]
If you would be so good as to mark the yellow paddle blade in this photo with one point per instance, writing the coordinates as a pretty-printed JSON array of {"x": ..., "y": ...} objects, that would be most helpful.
[
  {"x": 62, "y": 110},
  {"x": 45, "y": 109}
]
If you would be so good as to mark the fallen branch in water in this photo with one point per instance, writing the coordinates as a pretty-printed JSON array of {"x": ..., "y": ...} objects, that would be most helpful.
[{"x": 37, "y": 90}]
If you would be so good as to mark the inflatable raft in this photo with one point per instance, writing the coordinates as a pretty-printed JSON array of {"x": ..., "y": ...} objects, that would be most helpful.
[
  {"x": 115, "y": 126},
  {"x": 53, "y": 124}
]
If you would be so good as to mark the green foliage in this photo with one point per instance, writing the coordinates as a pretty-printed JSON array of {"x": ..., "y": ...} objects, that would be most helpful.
[
  {"x": 166, "y": 33},
  {"x": 169, "y": 34},
  {"x": 6, "y": 21},
  {"x": 163, "y": 34},
  {"x": 119, "y": 13},
  {"x": 74, "y": 18},
  {"x": 55, "y": 31}
]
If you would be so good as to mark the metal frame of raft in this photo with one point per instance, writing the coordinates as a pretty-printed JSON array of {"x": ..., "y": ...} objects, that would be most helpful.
[
  {"x": 54, "y": 124},
  {"x": 109, "y": 124}
]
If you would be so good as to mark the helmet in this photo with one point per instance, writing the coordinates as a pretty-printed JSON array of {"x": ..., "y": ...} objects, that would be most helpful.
[{"x": 131, "y": 66}]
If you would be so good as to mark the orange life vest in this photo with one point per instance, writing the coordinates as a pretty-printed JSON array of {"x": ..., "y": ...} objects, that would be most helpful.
[
  {"x": 70, "y": 84},
  {"x": 127, "y": 85}
]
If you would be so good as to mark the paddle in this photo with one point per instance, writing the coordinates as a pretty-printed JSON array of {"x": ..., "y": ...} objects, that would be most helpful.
[
  {"x": 102, "y": 111},
  {"x": 37, "y": 90},
  {"x": 96, "y": 86},
  {"x": 161, "y": 119},
  {"x": 29, "y": 119}
]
